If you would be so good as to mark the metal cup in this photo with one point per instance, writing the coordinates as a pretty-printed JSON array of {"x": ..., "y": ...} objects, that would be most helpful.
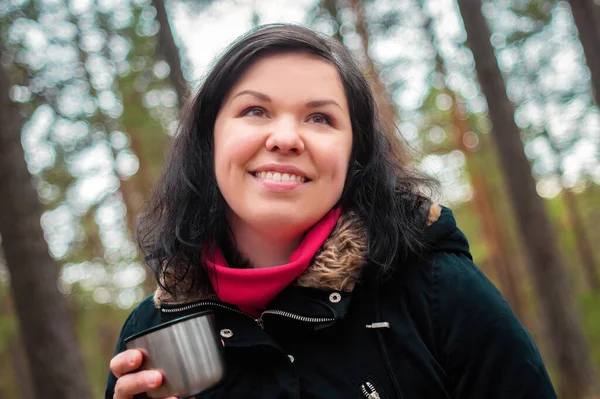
[{"x": 187, "y": 352}]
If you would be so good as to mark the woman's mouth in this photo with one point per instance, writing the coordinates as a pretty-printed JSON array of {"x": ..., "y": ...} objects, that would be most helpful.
[{"x": 280, "y": 177}]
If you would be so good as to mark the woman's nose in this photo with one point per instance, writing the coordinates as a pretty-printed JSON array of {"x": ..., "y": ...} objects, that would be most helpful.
[{"x": 285, "y": 138}]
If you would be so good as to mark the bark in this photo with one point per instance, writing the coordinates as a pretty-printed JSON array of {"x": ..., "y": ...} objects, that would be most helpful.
[
  {"x": 21, "y": 371},
  {"x": 482, "y": 200},
  {"x": 55, "y": 361},
  {"x": 388, "y": 111},
  {"x": 548, "y": 272},
  {"x": 582, "y": 242},
  {"x": 387, "y": 108},
  {"x": 16, "y": 369},
  {"x": 170, "y": 52},
  {"x": 490, "y": 224},
  {"x": 136, "y": 190},
  {"x": 587, "y": 18}
]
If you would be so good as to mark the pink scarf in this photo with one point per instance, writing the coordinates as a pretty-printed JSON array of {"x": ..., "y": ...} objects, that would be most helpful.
[{"x": 252, "y": 289}]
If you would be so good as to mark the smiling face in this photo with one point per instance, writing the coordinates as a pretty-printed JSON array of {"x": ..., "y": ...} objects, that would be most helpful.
[{"x": 282, "y": 143}]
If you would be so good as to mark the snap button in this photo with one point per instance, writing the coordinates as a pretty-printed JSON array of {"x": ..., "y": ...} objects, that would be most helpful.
[
  {"x": 335, "y": 297},
  {"x": 226, "y": 333},
  {"x": 291, "y": 358}
]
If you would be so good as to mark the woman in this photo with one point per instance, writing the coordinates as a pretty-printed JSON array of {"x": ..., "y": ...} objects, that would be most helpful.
[{"x": 283, "y": 208}]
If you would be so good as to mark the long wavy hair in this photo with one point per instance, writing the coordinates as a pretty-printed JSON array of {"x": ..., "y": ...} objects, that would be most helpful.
[{"x": 186, "y": 209}]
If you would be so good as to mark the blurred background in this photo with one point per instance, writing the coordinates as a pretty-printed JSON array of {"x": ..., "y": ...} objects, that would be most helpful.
[{"x": 498, "y": 99}]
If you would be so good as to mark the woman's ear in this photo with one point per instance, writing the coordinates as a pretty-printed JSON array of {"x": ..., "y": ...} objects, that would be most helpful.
[{"x": 435, "y": 211}]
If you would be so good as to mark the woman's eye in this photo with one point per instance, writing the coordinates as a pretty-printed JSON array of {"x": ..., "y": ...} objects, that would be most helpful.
[
  {"x": 258, "y": 112},
  {"x": 320, "y": 119}
]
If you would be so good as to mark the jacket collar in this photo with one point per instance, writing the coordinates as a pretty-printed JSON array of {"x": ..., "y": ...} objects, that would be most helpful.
[
  {"x": 336, "y": 268},
  {"x": 325, "y": 289}
]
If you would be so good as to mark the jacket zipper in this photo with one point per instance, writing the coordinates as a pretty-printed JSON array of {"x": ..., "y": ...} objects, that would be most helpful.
[
  {"x": 369, "y": 391},
  {"x": 298, "y": 317},
  {"x": 258, "y": 321}
]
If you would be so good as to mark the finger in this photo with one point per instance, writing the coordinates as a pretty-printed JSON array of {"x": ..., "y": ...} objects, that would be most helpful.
[
  {"x": 126, "y": 362},
  {"x": 131, "y": 384},
  {"x": 435, "y": 211}
]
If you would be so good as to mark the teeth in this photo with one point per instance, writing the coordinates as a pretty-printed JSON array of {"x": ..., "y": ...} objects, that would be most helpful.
[{"x": 280, "y": 177}]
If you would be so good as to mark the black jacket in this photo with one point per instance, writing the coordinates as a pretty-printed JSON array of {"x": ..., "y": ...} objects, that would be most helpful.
[{"x": 450, "y": 334}]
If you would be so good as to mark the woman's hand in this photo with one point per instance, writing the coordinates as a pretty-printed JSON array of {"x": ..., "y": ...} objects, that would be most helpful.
[{"x": 131, "y": 383}]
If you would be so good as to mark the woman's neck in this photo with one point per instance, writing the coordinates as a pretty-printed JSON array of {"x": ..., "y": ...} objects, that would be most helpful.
[{"x": 263, "y": 250}]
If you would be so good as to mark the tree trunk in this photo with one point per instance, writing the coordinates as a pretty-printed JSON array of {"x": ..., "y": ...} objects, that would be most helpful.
[
  {"x": 136, "y": 190},
  {"x": 21, "y": 371},
  {"x": 386, "y": 107},
  {"x": 483, "y": 201},
  {"x": 582, "y": 242},
  {"x": 561, "y": 317},
  {"x": 16, "y": 369},
  {"x": 170, "y": 52},
  {"x": 490, "y": 224},
  {"x": 54, "y": 359},
  {"x": 587, "y": 18}
]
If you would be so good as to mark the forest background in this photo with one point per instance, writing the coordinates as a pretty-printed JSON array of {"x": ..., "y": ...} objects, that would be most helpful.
[{"x": 498, "y": 99}]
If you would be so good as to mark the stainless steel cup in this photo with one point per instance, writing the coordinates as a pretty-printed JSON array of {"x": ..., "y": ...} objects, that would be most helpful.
[{"x": 187, "y": 351}]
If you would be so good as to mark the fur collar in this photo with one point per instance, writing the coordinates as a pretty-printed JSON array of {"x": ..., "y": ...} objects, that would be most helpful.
[{"x": 336, "y": 266}]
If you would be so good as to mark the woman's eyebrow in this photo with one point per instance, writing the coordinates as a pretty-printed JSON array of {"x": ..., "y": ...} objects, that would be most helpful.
[
  {"x": 320, "y": 103},
  {"x": 264, "y": 97},
  {"x": 256, "y": 94}
]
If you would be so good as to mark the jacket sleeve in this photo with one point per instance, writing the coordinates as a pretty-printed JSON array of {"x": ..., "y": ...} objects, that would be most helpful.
[
  {"x": 483, "y": 347},
  {"x": 129, "y": 328}
]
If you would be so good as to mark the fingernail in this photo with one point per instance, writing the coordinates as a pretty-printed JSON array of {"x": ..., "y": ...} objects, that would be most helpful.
[{"x": 153, "y": 378}]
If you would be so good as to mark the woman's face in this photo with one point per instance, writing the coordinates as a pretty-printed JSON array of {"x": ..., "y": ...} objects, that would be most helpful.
[{"x": 283, "y": 139}]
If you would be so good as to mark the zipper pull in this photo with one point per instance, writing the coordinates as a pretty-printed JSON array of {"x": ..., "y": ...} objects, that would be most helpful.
[
  {"x": 382, "y": 324},
  {"x": 371, "y": 393},
  {"x": 260, "y": 323}
]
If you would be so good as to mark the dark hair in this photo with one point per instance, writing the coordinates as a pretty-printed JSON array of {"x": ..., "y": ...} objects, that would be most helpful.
[{"x": 187, "y": 210}]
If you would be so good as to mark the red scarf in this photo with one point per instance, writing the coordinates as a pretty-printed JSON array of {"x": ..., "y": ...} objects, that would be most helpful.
[{"x": 252, "y": 289}]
